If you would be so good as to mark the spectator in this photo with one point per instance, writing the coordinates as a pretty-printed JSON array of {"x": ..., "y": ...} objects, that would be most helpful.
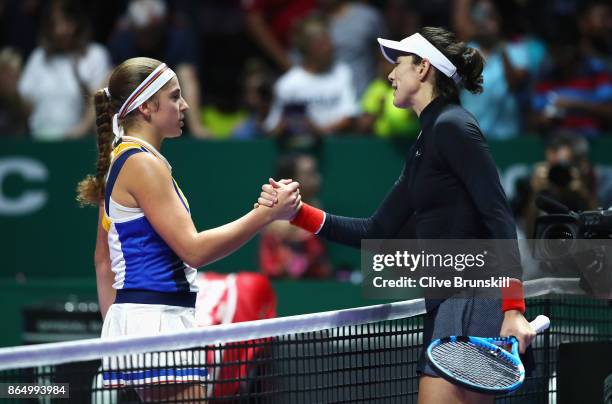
[
  {"x": 565, "y": 175},
  {"x": 379, "y": 115},
  {"x": 288, "y": 251},
  {"x": 147, "y": 31},
  {"x": 595, "y": 23},
  {"x": 354, "y": 28},
  {"x": 219, "y": 26},
  {"x": 574, "y": 91},
  {"x": 62, "y": 73},
  {"x": 258, "y": 85},
  {"x": 317, "y": 97},
  {"x": 526, "y": 27},
  {"x": 504, "y": 74},
  {"x": 271, "y": 22},
  {"x": 13, "y": 111}
]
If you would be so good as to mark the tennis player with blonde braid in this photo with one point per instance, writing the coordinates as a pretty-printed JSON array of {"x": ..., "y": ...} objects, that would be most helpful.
[{"x": 147, "y": 245}]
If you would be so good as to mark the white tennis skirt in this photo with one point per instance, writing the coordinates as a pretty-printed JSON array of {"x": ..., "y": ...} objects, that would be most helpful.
[{"x": 151, "y": 368}]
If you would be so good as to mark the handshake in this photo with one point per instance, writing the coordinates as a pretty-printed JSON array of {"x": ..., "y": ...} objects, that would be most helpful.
[{"x": 282, "y": 198}]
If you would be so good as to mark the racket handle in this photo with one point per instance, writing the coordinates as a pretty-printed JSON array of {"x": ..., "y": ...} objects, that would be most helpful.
[{"x": 540, "y": 323}]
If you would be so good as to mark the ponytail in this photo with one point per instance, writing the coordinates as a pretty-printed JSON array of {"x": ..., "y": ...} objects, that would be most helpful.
[{"x": 469, "y": 63}]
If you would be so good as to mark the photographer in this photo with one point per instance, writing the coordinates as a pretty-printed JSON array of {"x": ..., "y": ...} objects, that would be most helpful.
[{"x": 565, "y": 175}]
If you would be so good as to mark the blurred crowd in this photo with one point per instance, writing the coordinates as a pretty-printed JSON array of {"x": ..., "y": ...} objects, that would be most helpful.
[
  {"x": 301, "y": 70},
  {"x": 304, "y": 69}
]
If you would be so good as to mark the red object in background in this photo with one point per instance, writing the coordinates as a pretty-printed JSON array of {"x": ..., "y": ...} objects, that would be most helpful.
[
  {"x": 281, "y": 15},
  {"x": 306, "y": 258},
  {"x": 233, "y": 298}
]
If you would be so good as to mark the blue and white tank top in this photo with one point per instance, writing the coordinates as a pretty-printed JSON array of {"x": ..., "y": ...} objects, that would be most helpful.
[{"x": 140, "y": 258}]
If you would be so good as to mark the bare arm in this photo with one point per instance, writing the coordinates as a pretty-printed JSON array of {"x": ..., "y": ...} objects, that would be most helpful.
[
  {"x": 151, "y": 186},
  {"x": 188, "y": 76},
  {"x": 514, "y": 76},
  {"x": 462, "y": 21},
  {"x": 601, "y": 110},
  {"x": 104, "y": 274},
  {"x": 258, "y": 28}
]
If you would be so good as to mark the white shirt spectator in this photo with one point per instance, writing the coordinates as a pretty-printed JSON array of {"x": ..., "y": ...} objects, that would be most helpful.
[
  {"x": 328, "y": 97},
  {"x": 50, "y": 85}
]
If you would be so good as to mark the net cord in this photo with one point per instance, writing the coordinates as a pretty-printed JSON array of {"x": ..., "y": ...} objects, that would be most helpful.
[{"x": 90, "y": 349}]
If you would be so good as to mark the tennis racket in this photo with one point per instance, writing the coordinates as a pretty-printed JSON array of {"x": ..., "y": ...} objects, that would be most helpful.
[{"x": 481, "y": 364}]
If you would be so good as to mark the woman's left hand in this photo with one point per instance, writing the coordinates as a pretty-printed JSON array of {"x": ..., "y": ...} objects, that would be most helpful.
[{"x": 515, "y": 324}]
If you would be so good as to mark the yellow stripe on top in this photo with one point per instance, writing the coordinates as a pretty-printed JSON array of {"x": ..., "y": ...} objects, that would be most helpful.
[
  {"x": 123, "y": 146},
  {"x": 106, "y": 222}
]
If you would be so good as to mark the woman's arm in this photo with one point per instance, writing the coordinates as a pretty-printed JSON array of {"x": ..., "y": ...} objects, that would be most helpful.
[
  {"x": 188, "y": 77},
  {"x": 390, "y": 216},
  {"x": 151, "y": 185},
  {"x": 104, "y": 274},
  {"x": 386, "y": 221},
  {"x": 462, "y": 21},
  {"x": 263, "y": 36}
]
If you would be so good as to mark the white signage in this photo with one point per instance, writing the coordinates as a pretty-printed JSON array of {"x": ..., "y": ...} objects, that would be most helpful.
[{"x": 29, "y": 201}]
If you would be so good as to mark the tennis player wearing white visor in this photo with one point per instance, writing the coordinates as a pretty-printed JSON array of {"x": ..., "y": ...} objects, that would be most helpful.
[{"x": 448, "y": 189}]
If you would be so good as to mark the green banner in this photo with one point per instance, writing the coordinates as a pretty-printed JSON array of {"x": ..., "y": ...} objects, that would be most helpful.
[{"x": 45, "y": 233}]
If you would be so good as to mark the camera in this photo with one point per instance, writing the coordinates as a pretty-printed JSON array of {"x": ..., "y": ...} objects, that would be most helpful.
[
  {"x": 561, "y": 226},
  {"x": 570, "y": 243}
]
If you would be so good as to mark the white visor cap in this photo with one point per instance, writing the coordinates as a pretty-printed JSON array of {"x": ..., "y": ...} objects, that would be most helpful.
[{"x": 418, "y": 45}]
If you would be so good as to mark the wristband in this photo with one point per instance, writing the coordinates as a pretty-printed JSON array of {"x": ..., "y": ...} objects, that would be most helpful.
[
  {"x": 309, "y": 218},
  {"x": 513, "y": 297}
]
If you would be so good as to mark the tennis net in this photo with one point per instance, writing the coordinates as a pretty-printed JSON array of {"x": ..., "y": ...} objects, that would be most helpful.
[{"x": 367, "y": 354}]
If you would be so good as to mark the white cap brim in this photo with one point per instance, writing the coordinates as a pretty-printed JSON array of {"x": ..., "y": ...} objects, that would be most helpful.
[
  {"x": 417, "y": 44},
  {"x": 391, "y": 50}
]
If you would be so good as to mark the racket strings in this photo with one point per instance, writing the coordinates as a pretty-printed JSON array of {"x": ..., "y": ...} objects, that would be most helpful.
[{"x": 476, "y": 364}]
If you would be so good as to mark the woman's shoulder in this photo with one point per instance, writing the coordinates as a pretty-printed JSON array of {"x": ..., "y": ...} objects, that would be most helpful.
[
  {"x": 456, "y": 121},
  {"x": 142, "y": 165},
  {"x": 145, "y": 174},
  {"x": 455, "y": 114}
]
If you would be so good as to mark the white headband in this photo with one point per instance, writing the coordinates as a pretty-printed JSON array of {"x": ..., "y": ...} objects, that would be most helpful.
[
  {"x": 154, "y": 81},
  {"x": 420, "y": 46}
]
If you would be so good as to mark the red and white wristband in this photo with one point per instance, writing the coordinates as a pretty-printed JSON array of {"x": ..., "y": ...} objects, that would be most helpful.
[
  {"x": 513, "y": 296},
  {"x": 309, "y": 218}
]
